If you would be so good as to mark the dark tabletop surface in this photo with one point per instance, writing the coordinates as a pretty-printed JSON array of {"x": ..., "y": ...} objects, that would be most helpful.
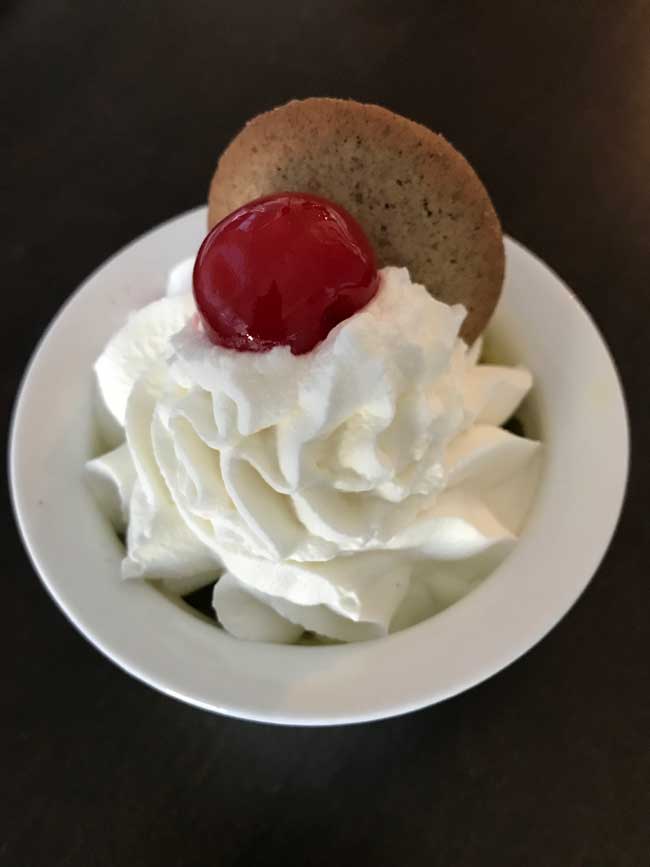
[{"x": 113, "y": 115}]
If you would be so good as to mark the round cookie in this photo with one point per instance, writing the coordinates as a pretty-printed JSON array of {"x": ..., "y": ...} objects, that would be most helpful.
[{"x": 420, "y": 202}]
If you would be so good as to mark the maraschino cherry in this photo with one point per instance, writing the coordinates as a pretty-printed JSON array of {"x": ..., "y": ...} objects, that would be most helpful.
[{"x": 282, "y": 270}]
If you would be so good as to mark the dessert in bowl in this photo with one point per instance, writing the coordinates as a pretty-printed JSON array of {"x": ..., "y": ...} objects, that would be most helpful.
[{"x": 422, "y": 365}]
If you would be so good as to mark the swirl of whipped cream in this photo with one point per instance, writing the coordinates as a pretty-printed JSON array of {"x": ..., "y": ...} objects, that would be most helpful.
[{"x": 349, "y": 491}]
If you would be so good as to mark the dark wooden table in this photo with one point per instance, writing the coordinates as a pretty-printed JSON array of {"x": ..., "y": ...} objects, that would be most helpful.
[{"x": 113, "y": 116}]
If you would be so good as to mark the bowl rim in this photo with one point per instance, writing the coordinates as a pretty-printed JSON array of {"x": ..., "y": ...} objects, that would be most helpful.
[{"x": 307, "y": 708}]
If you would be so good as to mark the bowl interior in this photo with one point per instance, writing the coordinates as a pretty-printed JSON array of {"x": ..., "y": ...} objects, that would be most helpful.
[{"x": 576, "y": 408}]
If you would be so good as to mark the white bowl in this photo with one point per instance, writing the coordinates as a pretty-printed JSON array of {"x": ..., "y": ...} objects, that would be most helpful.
[{"x": 577, "y": 409}]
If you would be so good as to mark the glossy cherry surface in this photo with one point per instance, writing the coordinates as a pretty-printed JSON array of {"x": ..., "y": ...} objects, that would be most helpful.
[{"x": 282, "y": 270}]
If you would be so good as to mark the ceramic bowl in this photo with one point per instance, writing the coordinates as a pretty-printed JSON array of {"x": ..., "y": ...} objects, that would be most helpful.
[{"x": 576, "y": 408}]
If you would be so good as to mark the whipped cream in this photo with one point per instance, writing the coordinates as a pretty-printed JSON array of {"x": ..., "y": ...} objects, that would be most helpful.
[{"x": 350, "y": 491}]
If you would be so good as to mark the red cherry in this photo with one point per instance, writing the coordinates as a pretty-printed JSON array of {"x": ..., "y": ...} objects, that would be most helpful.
[{"x": 282, "y": 271}]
